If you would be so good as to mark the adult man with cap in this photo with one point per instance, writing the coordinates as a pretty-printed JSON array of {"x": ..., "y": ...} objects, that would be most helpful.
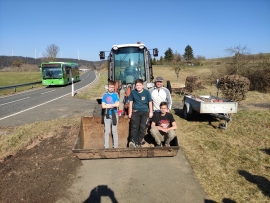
[{"x": 160, "y": 94}]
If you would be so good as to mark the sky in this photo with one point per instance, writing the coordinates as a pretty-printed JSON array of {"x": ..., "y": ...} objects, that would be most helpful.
[{"x": 82, "y": 28}]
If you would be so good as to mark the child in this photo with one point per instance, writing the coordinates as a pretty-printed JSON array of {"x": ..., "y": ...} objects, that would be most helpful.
[
  {"x": 110, "y": 102},
  {"x": 140, "y": 109},
  {"x": 163, "y": 126}
]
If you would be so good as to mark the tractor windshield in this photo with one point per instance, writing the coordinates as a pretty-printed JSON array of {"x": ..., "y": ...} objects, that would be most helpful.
[{"x": 129, "y": 64}]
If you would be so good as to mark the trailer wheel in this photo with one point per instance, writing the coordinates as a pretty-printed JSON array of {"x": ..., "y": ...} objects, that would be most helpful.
[{"x": 186, "y": 115}]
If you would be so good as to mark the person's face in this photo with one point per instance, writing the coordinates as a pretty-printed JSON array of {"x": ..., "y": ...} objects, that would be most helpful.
[
  {"x": 163, "y": 109},
  {"x": 111, "y": 88},
  {"x": 159, "y": 84},
  {"x": 139, "y": 86}
]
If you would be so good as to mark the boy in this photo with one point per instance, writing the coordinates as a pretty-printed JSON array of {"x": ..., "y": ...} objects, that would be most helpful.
[
  {"x": 163, "y": 126},
  {"x": 140, "y": 109},
  {"x": 110, "y": 102}
]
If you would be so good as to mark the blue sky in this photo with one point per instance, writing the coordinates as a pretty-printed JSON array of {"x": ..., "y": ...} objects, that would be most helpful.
[{"x": 27, "y": 27}]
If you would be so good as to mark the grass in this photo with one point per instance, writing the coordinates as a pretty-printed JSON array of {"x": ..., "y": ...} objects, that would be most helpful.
[
  {"x": 219, "y": 157},
  {"x": 94, "y": 91},
  {"x": 14, "y": 139},
  {"x": 232, "y": 164},
  {"x": 14, "y": 78}
]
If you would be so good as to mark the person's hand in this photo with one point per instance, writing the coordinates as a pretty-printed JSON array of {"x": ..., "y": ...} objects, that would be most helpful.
[
  {"x": 129, "y": 115},
  {"x": 150, "y": 114},
  {"x": 164, "y": 130}
]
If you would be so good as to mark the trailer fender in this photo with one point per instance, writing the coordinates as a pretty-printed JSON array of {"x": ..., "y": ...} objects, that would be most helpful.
[{"x": 187, "y": 110}]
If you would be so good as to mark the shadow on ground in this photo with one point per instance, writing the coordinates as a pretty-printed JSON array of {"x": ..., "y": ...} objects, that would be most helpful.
[
  {"x": 197, "y": 117},
  {"x": 266, "y": 151},
  {"x": 262, "y": 183},
  {"x": 225, "y": 200},
  {"x": 101, "y": 191}
]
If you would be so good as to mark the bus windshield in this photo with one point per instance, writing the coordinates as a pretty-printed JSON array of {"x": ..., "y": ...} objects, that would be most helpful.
[
  {"x": 49, "y": 72},
  {"x": 129, "y": 64}
]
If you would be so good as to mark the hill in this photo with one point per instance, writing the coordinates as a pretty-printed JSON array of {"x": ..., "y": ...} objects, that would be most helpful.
[{"x": 6, "y": 61}]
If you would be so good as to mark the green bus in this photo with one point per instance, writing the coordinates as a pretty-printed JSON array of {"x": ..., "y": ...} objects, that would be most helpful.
[{"x": 59, "y": 73}]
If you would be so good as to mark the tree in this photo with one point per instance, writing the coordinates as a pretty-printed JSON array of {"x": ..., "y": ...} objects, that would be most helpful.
[
  {"x": 51, "y": 52},
  {"x": 161, "y": 60},
  {"x": 168, "y": 55},
  {"x": 154, "y": 61},
  {"x": 17, "y": 63},
  {"x": 188, "y": 55},
  {"x": 239, "y": 60},
  {"x": 200, "y": 60},
  {"x": 177, "y": 64}
]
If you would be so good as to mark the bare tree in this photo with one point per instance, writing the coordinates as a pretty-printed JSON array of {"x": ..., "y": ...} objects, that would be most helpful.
[
  {"x": 238, "y": 61},
  {"x": 177, "y": 64},
  {"x": 51, "y": 52}
]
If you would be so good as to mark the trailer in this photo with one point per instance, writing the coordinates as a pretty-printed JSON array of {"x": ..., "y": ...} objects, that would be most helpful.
[
  {"x": 89, "y": 143},
  {"x": 207, "y": 104}
]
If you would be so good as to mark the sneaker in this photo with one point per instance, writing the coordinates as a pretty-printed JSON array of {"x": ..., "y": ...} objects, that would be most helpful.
[
  {"x": 158, "y": 145},
  {"x": 138, "y": 145},
  {"x": 131, "y": 145},
  {"x": 167, "y": 145}
]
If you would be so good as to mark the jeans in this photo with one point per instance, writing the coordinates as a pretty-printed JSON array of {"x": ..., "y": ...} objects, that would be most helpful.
[
  {"x": 162, "y": 136},
  {"x": 107, "y": 130},
  {"x": 138, "y": 126}
]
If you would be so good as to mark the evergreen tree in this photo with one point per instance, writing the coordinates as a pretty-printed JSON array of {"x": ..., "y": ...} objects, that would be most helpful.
[
  {"x": 154, "y": 61},
  {"x": 168, "y": 55},
  {"x": 161, "y": 60},
  {"x": 188, "y": 55}
]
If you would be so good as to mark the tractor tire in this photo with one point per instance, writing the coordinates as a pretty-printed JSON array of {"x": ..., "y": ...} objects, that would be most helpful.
[{"x": 169, "y": 87}]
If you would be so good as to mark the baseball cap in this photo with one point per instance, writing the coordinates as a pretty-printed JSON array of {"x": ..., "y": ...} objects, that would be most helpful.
[{"x": 159, "y": 78}]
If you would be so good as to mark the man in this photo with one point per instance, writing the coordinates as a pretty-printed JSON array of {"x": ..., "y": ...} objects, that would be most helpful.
[
  {"x": 110, "y": 102},
  {"x": 160, "y": 94},
  {"x": 140, "y": 109},
  {"x": 163, "y": 126}
]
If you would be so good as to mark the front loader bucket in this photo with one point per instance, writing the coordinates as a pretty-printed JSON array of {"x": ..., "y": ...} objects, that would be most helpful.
[{"x": 90, "y": 142}]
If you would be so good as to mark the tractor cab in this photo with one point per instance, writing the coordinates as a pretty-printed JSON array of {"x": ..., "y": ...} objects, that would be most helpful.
[
  {"x": 129, "y": 62},
  {"x": 126, "y": 63}
]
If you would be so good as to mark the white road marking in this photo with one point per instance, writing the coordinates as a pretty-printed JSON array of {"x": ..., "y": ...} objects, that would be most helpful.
[
  {"x": 48, "y": 91},
  {"x": 14, "y": 101},
  {"x": 45, "y": 102}
]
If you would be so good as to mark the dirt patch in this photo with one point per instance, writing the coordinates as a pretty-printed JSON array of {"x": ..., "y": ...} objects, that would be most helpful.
[{"x": 42, "y": 171}]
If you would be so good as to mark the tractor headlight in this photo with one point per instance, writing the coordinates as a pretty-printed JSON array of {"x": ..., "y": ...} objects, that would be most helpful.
[{"x": 141, "y": 46}]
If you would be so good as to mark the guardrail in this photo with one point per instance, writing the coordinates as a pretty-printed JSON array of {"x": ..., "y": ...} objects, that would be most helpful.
[{"x": 19, "y": 85}]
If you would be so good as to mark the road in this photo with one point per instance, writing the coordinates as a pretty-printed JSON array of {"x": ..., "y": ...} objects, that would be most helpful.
[{"x": 11, "y": 106}]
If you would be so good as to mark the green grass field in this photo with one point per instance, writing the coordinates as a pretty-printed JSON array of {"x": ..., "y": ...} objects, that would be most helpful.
[
  {"x": 232, "y": 164},
  {"x": 14, "y": 78}
]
